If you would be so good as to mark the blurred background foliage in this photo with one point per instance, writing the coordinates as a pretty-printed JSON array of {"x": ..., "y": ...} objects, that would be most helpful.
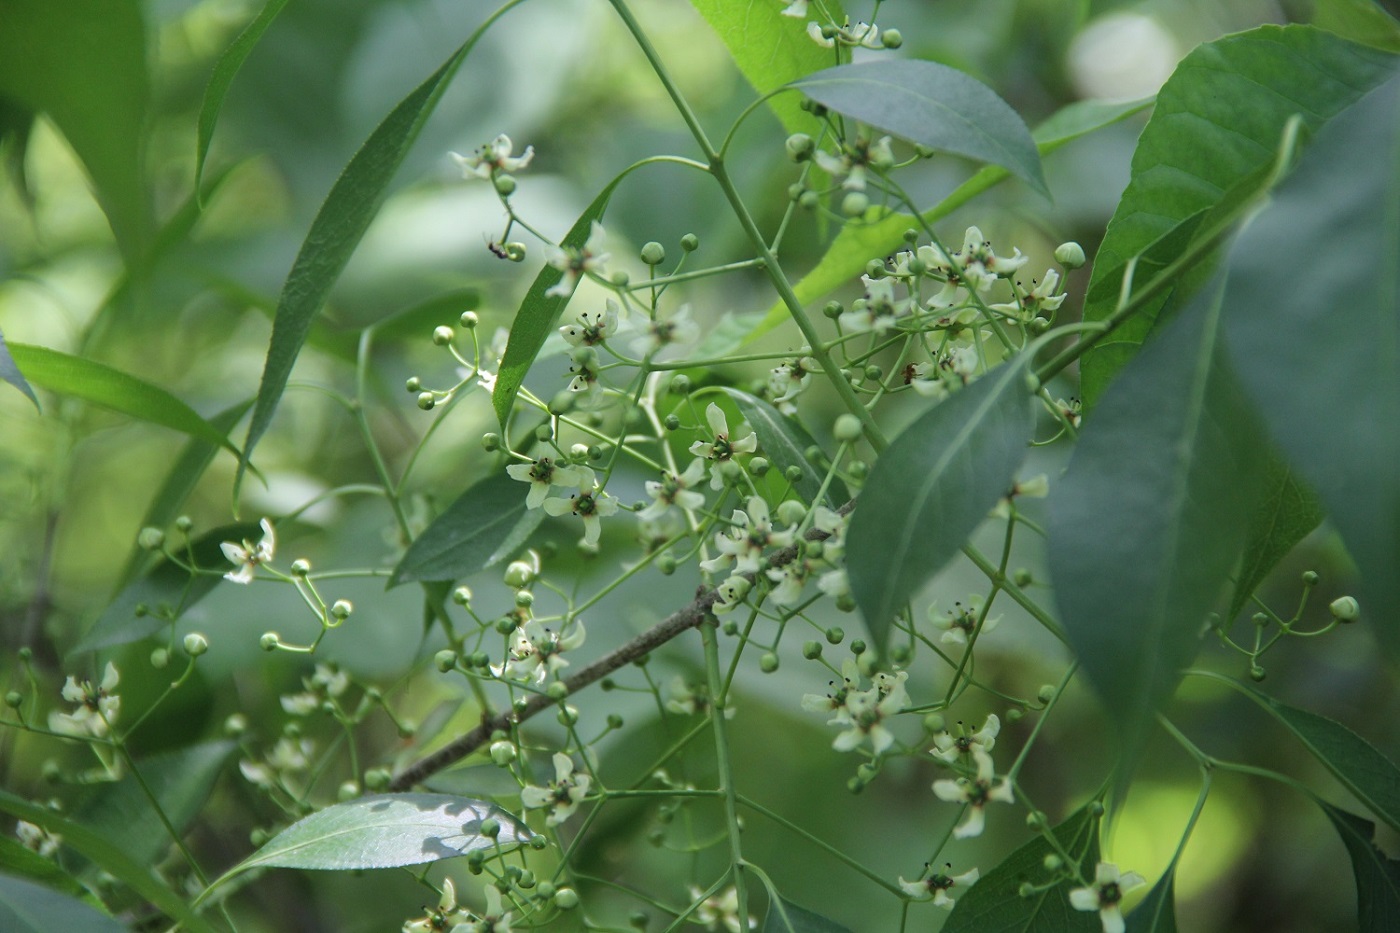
[{"x": 103, "y": 255}]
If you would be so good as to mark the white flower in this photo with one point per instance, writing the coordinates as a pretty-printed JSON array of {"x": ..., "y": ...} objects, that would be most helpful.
[
  {"x": 1041, "y": 297},
  {"x": 856, "y": 157},
  {"x": 835, "y": 583},
  {"x": 575, "y": 263},
  {"x": 300, "y": 704},
  {"x": 494, "y": 157},
  {"x": 862, "y": 712},
  {"x": 97, "y": 706},
  {"x": 37, "y": 839},
  {"x": 444, "y": 917},
  {"x": 959, "y": 624},
  {"x": 537, "y": 651},
  {"x": 661, "y": 332},
  {"x": 562, "y": 795},
  {"x": 591, "y": 329},
  {"x": 497, "y": 918},
  {"x": 795, "y": 8},
  {"x": 720, "y": 912},
  {"x": 721, "y": 448},
  {"x": 673, "y": 490},
  {"x": 248, "y": 555},
  {"x": 787, "y": 380},
  {"x": 877, "y": 310},
  {"x": 1105, "y": 894},
  {"x": 938, "y": 885},
  {"x": 544, "y": 473},
  {"x": 731, "y": 594},
  {"x": 591, "y": 506},
  {"x": 835, "y": 699},
  {"x": 287, "y": 757},
  {"x": 948, "y": 747},
  {"x": 745, "y": 542},
  {"x": 976, "y": 792},
  {"x": 861, "y": 34}
]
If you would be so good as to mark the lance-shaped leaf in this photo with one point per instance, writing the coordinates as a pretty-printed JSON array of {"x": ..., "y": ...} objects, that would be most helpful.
[
  {"x": 1218, "y": 119},
  {"x": 222, "y": 78},
  {"x": 1150, "y": 518},
  {"x": 1287, "y": 512},
  {"x": 857, "y": 244},
  {"x": 483, "y": 526},
  {"x": 931, "y": 489},
  {"x": 1377, "y": 876},
  {"x": 995, "y": 901},
  {"x": 770, "y": 50},
  {"x": 1320, "y": 352},
  {"x": 18, "y": 860},
  {"x": 110, "y": 388},
  {"x": 1353, "y": 761},
  {"x": 11, "y": 374},
  {"x": 111, "y": 857},
  {"x": 339, "y": 226},
  {"x": 386, "y": 831},
  {"x": 932, "y": 105},
  {"x": 785, "y": 442},
  {"x": 26, "y": 907},
  {"x": 1156, "y": 913},
  {"x": 164, "y": 592},
  {"x": 786, "y": 917}
]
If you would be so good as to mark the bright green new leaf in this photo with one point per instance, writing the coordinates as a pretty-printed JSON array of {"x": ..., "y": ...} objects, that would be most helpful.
[
  {"x": 932, "y": 105},
  {"x": 222, "y": 78},
  {"x": 1287, "y": 511},
  {"x": 786, "y": 917},
  {"x": 784, "y": 441},
  {"x": 857, "y": 244},
  {"x": 83, "y": 63},
  {"x": 1150, "y": 517},
  {"x": 995, "y": 901},
  {"x": 1377, "y": 876},
  {"x": 1320, "y": 352},
  {"x": 1156, "y": 913},
  {"x": 11, "y": 374},
  {"x": 770, "y": 50},
  {"x": 340, "y": 224},
  {"x": 385, "y": 831},
  {"x": 104, "y": 386},
  {"x": 26, "y": 907},
  {"x": 483, "y": 526},
  {"x": 931, "y": 489},
  {"x": 1219, "y": 119},
  {"x": 1353, "y": 761},
  {"x": 109, "y": 856},
  {"x": 166, "y": 589}
]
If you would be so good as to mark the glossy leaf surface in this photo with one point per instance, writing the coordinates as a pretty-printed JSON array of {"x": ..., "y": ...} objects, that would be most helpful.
[
  {"x": 1287, "y": 512},
  {"x": 785, "y": 442}
]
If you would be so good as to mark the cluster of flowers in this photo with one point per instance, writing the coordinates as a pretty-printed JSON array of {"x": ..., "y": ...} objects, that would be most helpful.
[{"x": 862, "y": 35}]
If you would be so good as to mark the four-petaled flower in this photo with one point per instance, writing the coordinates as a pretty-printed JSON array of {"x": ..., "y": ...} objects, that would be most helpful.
[
  {"x": 592, "y": 506},
  {"x": 672, "y": 489},
  {"x": 493, "y": 157},
  {"x": 949, "y": 748},
  {"x": 937, "y": 885},
  {"x": 1105, "y": 894},
  {"x": 248, "y": 555},
  {"x": 575, "y": 263},
  {"x": 721, "y": 448},
  {"x": 976, "y": 792},
  {"x": 562, "y": 795},
  {"x": 97, "y": 706},
  {"x": 544, "y": 473}
]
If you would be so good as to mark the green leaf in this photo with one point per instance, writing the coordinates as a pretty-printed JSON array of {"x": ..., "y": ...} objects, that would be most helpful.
[
  {"x": 106, "y": 387},
  {"x": 857, "y": 244},
  {"x": 730, "y": 333},
  {"x": 181, "y": 780},
  {"x": 786, "y": 917},
  {"x": 1150, "y": 517},
  {"x": 932, "y": 105},
  {"x": 483, "y": 526},
  {"x": 1156, "y": 913},
  {"x": 166, "y": 590},
  {"x": 1377, "y": 876},
  {"x": 995, "y": 901},
  {"x": 1320, "y": 353},
  {"x": 474, "y": 781},
  {"x": 1354, "y": 762},
  {"x": 26, "y": 907},
  {"x": 339, "y": 226},
  {"x": 16, "y": 859},
  {"x": 222, "y": 78},
  {"x": 539, "y": 312},
  {"x": 1359, "y": 21},
  {"x": 385, "y": 831},
  {"x": 11, "y": 374},
  {"x": 931, "y": 489},
  {"x": 110, "y": 857},
  {"x": 1287, "y": 512},
  {"x": 784, "y": 441},
  {"x": 771, "y": 50},
  {"x": 1219, "y": 119},
  {"x": 83, "y": 63}
]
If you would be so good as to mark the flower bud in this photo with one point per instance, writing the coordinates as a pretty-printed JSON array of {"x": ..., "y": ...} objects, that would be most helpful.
[
  {"x": 14, "y": 699},
  {"x": 445, "y": 660},
  {"x": 768, "y": 663},
  {"x": 672, "y": 423},
  {"x": 809, "y": 200},
  {"x": 858, "y": 647},
  {"x": 184, "y": 523},
  {"x": 160, "y": 658},
  {"x": 565, "y": 898},
  {"x": 680, "y": 384},
  {"x": 342, "y": 608},
  {"x": 1345, "y": 609},
  {"x": 348, "y": 790},
  {"x": 269, "y": 641},
  {"x": 934, "y": 722},
  {"x": 568, "y": 717},
  {"x": 793, "y": 474},
  {"x": 235, "y": 725},
  {"x": 891, "y": 38},
  {"x": 758, "y": 466},
  {"x": 690, "y": 242},
  {"x": 196, "y": 644},
  {"x": 653, "y": 253},
  {"x": 150, "y": 539},
  {"x": 519, "y": 573},
  {"x": 847, "y": 428},
  {"x": 503, "y": 753},
  {"x": 1022, "y": 577},
  {"x": 378, "y": 778},
  {"x": 666, "y": 563},
  {"x": 413, "y": 384},
  {"x": 426, "y": 401},
  {"x": 835, "y": 635},
  {"x": 1310, "y": 578},
  {"x": 791, "y": 512},
  {"x": 1070, "y": 255},
  {"x": 301, "y": 567},
  {"x": 562, "y": 403},
  {"x": 490, "y": 442},
  {"x": 442, "y": 335},
  {"x": 800, "y": 147},
  {"x": 505, "y": 185},
  {"x": 557, "y": 690}
]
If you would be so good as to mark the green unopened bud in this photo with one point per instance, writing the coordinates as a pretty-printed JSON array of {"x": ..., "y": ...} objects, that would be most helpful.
[
  {"x": 1070, "y": 255},
  {"x": 269, "y": 641},
  {"x": 505, "y": 185},
  {"x": 562, "y": 403},
  {"x": 426, "y": 401},
  {"x": 195, "y": 644},
  {"x": 672, "y": 423},
  {"x": 462, "y": 596},
  {"x": 653, "y": 253},
  {"x": 14, "y": 699},
  {"x": 768, "y": 663},
  {"x": 301, "y": 567},
  {"x": 490, "y": 442},
  {"x": 566, "y": 898},
  {"x": 1345, "y": 609},
  {"x": 235, "y": 725},
  {"x": 793, "y": 474},
  {"x": 891, "y": 38},
  {"x": 1052, "y": 862},
  {"x": 800, "y": 147},
  {"x": 666, "y": 563},
  {"x": 900, "y": 654},
  {"x": 758, "y": 466},
  {"x": 690, "y": 242},
  {"x": 835, "y": 635},
  {"x": 1310, "y": 578},
  {"x": 1015, "y": 714},
  {"x": 490, "y": 827},
  {"x": 150, "y": 539},
  {"x": 445, "y": 660},
  {"x": 791, "y": 512},
  {"x": 413, "y": 384},
  {"x": 557, "y": 690},
  {"x": 857, "y": 647},
  {"x": 348, "y": 790},
  {"x": 620, "y": 278},
  {"x": 1026, "y": 889},
  {"x": 833, "y": 309},
  {"x": 858, "y": 470},
  {"x": 184, "y": 523},
  {"x": 442, "y": 335},
  {"x": 378, "y": 778},
  {"x": 812, "y": 650},
  {"x": 1046, "y": 693},
  {"x": 160, "y": 658},
  {"x": 568, "y": 717},
  {"x": 847, "y": 428},
  {"x": 505, "y": 625},
  {"x": 933, "y": 722},
  {"x": 341, "y": 609},
  {"x": 1022, "y": 577},
  {"x": 855, "y": 203},
  {"x": 809, "y": 200},
  {"x": 519, "y": 573}
]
